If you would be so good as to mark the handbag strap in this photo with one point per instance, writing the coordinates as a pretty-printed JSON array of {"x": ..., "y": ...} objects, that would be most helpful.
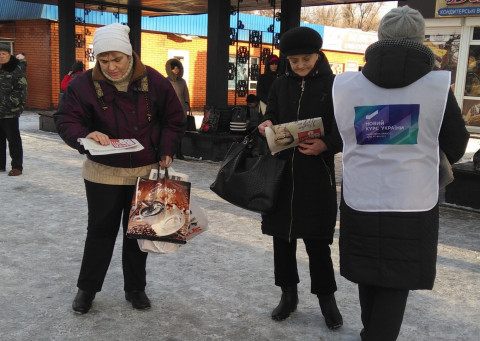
[
  {"x": 237, "y": 147},
  {"x": 158, "y": 171}
]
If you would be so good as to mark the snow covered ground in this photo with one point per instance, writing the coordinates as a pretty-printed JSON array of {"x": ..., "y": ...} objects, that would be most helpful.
[{"x": 217, "y": 287}]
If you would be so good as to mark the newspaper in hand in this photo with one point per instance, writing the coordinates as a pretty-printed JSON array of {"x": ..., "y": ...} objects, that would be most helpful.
[
  {"x": 116, "y": 146},
  {"x": 288, "y": 135}
]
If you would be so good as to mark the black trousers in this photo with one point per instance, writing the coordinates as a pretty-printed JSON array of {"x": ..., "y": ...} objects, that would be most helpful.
[
  {"x": 382, "y": 311},
  {"x": 320, "y": 263},
  {"x": 3, "y": 151},
  {"x": 10, "y": 131},
  {"x": 107, "y": 206}
]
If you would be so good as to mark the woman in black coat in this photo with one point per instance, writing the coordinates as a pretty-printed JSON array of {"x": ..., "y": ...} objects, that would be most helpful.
[
  {"x": 389, "y": 215},
  {"x": 307, "y": 204},
  {"x": 266, "y": 80}
]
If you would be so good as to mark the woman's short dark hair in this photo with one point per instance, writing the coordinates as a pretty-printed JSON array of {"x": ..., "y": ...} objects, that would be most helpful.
[
  {"x": 175, "y": 63},
  {"x": 252, "y": 98},
  {"x": 77, "y": 66}
]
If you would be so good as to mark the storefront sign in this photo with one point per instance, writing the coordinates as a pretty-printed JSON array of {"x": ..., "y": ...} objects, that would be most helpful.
[
  {"x": 457, "y": 8},
  {"x": 347, "y": 40}
]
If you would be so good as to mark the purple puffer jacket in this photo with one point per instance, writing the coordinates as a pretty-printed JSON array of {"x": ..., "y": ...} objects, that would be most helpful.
[{"x": 123, "y": 115}]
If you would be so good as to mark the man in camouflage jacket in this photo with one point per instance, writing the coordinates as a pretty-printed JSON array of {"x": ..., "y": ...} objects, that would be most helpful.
[{"x": 13, "y": 95}]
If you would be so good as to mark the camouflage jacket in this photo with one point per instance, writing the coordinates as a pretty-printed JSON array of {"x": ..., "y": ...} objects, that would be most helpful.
[{"x": 13, "y": 89}]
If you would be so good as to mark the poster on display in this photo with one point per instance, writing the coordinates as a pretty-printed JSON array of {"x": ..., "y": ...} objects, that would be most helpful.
[
  {"x": 242, "y": 73},
  {"x": 337, "y": 68},
  {"x": 445, "y": 47},
  {"x": 351, "y": 66},
  {"x": 471, "y": 112}
]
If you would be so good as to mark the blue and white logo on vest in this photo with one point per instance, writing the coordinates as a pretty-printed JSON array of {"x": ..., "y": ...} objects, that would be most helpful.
[{"x": 387, "y": 124}]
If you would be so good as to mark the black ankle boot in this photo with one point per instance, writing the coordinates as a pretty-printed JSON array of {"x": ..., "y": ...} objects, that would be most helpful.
[
  {"x": 83, "y": 301},
  {"x": 288, "y": 304},
  {"x": 139, "y": 299},
  {"x": 328, "y": 305}
]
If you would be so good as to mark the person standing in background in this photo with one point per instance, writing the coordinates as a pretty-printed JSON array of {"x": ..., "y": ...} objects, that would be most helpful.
[
  {"x": 77, "y": 68},
  {"x": 266, "y": 80},
  {"x": 13, "y": 96},
  {"x": 3, "y": 139},
  {"x": 22, "y": 60},
  {"x": 254, "y": 116},
  {"x": 119, "y": 98},
  {"x": 394, "y": 116},
  {"x": 174, "y": 69}
]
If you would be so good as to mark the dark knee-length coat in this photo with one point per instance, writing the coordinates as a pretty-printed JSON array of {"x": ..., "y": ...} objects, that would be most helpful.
[
  {"x": 398, "y": 249},
  {"x": 307, "y": 204}
]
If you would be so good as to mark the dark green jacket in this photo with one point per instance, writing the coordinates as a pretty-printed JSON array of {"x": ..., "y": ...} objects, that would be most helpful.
[{"x": 13, "y": 89}]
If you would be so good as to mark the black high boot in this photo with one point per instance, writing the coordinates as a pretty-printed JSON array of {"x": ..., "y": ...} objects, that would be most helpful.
[
  {"x": 288, "y": 303},
  {"x": 330, "y": 312}
]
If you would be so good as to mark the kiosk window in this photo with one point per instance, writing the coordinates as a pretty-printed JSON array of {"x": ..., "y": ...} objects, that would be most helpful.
[{"x": 472, "y": 83}]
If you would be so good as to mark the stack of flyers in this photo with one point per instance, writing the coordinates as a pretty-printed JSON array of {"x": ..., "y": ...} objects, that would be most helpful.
[{"x": 116, "y": 146}]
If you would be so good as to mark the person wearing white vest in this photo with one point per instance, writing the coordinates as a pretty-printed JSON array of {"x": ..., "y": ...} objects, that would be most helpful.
[
  {"x": 393, "y": 118},
  {"x": 307, "y": 203}
]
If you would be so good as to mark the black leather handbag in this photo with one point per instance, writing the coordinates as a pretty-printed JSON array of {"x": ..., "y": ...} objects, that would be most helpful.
[{"x": 249, "y": 178}]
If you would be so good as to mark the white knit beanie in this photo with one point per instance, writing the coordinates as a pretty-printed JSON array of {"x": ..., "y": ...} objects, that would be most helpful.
[
  {"x": 402, "y": 23},
  {"x": 113, "y": 37}
]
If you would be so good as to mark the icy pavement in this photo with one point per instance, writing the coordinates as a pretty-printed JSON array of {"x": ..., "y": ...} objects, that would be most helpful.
[{"x": 217, "y": 287}]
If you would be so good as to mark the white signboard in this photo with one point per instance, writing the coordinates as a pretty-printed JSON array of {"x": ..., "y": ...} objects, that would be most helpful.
[{"x": 347, "y": 40}]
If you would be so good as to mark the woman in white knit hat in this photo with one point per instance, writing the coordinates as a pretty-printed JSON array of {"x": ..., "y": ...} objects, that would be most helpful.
[
  {"x": 393, "y": 117},
  {"x": 119, "y": 98}
]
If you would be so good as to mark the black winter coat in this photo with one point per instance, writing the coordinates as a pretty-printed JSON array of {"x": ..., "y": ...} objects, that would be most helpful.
[
  {"x": 265, "y": 82},
  {"x": 398, "y": 249},
  {"x": 307, "y": 204}
]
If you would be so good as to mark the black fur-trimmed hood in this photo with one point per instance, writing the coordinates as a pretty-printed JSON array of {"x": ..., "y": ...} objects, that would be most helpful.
[
  {"x": 168, "y": 69},
  {"x": 11, "y": 65}
]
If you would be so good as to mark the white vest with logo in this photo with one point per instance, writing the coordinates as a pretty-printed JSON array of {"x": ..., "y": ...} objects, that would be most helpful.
[{"x": 390, "y": 141}]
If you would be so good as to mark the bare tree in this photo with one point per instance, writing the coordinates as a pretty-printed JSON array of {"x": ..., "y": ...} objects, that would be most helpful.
[
  {"x": 363, "y": 16},
  {"x": 322, "y": 15},
  {"x": 348, "y": 15},
  {"x": 265, "y": 12},
  {"x": 262, "y": 12}
]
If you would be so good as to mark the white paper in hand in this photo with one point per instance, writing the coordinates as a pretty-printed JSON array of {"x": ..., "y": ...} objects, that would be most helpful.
[{"x": 116, "y": 146}]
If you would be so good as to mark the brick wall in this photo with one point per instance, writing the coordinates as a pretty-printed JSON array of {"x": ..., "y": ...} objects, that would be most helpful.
[
  {"x": 33, "y": 37},
  {"x": 155, "y": 49},
  {"x": 55, "y": 64}
]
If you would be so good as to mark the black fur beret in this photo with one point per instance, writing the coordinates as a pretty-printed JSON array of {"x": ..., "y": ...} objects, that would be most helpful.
[{"x": 300, "y": 40}]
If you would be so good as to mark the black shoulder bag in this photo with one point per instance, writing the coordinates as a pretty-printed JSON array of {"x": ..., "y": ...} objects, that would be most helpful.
[
  {"x": 191, "y": 126},
  {"x": 248, "y": 179}
]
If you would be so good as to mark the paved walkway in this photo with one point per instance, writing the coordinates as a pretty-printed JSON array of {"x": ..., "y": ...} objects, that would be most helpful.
[{"x": 217, "y": 287}]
